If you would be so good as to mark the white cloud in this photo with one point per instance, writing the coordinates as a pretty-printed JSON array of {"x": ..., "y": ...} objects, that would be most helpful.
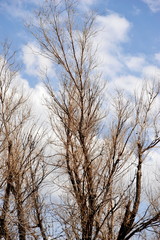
[
  {"x": 35, "y": 63},
  {"x": 38, "y": 95},
  {"x": 151, "y": 72},
  {"x": 151, "y": 168},
  {"x": 114, "y": 27},
  {"x": 36, "y": 99},
  {"x": 154, "y": 5},
  {"x": 113, "y": 32},
  {"x": 135, "y": 63},
  {"x": 127, "y": 83}
]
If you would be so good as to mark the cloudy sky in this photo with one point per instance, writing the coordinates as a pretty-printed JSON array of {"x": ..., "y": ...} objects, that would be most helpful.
[{"x": 129, "y": 43}]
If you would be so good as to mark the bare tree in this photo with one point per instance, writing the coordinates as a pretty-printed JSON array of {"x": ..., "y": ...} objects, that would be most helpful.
[
  {"x": 102, "y": 173},
  {"x": 22, "y": 164}
]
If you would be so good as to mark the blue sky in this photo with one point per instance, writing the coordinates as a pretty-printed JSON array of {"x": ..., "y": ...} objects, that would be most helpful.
[{"x": 129, "y": 42}]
